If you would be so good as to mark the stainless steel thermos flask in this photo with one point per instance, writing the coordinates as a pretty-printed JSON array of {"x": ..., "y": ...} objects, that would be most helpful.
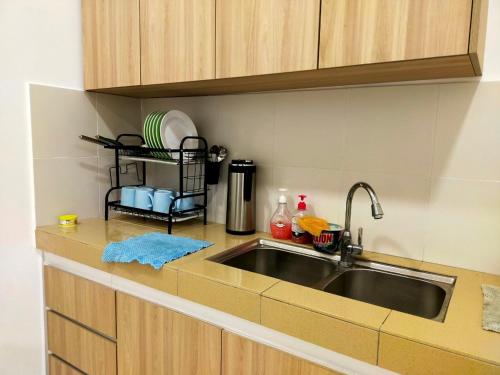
[{"x": 240, "y": 214}]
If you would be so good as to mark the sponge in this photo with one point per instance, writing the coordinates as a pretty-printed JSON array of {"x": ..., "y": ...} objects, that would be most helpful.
[{"x": 313, "y": 225}]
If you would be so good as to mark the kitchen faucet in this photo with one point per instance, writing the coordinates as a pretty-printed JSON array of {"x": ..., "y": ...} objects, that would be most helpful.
[{"x": 347, "y": 248}]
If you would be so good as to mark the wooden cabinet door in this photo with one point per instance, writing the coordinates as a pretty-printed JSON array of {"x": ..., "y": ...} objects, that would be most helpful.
[
  {"x": 153, "y": 340},
  {"x": 266, "y": 36},
  {"x": 111, "y": 43},
  {"x": 355, "y": 32},
  {"x": 177, "y": 40},
  {"x": 82, "y": 300},
  {"x": 241, "y": 356}
]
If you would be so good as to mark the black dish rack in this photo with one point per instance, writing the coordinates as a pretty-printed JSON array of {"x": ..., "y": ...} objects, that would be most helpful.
[{"x": 192, "y": 165}]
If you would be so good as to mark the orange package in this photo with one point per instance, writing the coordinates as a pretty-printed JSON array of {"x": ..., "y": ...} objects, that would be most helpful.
[{"x": 313, "y": 225}]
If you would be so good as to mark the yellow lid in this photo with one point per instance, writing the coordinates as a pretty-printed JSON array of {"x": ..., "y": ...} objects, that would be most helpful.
[{"x": 68, "y": 220}]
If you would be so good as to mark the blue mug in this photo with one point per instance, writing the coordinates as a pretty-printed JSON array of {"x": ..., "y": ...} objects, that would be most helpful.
[
  {"x": 144, "y": 198},
  {"x": 162, "y": 199},
  {"x": 127, "y": 197},
  {"x": 184, "y": 203}
]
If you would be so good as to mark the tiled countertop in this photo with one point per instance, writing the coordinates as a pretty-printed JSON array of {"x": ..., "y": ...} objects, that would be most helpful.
[{"x": 293, "y": 309}]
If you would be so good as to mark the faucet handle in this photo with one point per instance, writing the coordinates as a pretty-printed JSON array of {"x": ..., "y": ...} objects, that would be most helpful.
[{"x": 360, "y": 236}]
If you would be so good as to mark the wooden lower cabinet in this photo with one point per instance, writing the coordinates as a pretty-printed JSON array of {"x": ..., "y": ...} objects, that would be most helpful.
[
  {"x": 89, "y": 352},
  {"x": 241, "y": 356},
  {"x": 81, "y": 300},
  {"x": 156, "y": 340},
  {"x": 150, "y": 339},
  {"x": 58, "y": 367}
]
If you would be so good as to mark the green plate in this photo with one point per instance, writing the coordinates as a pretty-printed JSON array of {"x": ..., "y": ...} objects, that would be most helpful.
[
  {"x": 152, "y": 136},
  {"x": 157, "y": 135},
  {"x": 152, "y": 132},
  {"x": 146, "y": 129}
]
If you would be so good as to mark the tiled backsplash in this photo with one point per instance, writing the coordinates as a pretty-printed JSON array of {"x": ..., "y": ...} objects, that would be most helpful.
[
  {"x": 432, "y": 153},
  {"x": 72, "y": 176}
]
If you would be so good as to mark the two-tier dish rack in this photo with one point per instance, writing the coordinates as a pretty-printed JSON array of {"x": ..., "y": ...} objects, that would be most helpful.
[{"x": 192, "y": 182}]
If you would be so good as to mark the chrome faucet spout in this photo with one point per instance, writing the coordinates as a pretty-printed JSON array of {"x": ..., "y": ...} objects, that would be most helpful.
[
  {"x": 347, "y": 248},
  {"x": 377, "y": 211}
]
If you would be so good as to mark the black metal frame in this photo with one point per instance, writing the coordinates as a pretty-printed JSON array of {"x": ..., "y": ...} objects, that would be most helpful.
[{"x": 192, "y": 164}]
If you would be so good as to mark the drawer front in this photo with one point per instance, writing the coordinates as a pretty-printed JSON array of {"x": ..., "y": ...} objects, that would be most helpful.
[
  {"x": 84, "y": 301},
  {"x": 58, "y": 367},
  {"x": 86, "y": 350}
]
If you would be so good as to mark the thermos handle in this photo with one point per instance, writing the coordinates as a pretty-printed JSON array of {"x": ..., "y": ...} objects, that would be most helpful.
[{"x": 247, "y": 187}]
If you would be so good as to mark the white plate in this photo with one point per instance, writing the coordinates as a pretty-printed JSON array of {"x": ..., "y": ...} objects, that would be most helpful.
[{"x": 174, "y": 127}]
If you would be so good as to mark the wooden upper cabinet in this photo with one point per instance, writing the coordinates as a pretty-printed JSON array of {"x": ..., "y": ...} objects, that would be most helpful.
[
  {"x": 266, "y": 36},
  {"x": 177, "y": 40},
  {"x": 245, "y": 357},
  {"x": 153, "y": 340},
  {"x": 111, "y": 43},
  {"x": 355, "y": 32}
]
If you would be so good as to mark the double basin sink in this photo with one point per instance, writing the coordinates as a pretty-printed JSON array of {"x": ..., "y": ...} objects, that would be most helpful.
[{"x": 403, "y": 289}]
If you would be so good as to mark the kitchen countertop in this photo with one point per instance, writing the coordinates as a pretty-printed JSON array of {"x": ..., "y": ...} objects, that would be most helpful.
[{"x": 460, "y": 333}]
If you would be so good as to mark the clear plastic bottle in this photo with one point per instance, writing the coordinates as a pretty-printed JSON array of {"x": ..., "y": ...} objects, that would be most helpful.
[
  {"x": 281, "y": 222},
  {"x": 299, "y": 235}
]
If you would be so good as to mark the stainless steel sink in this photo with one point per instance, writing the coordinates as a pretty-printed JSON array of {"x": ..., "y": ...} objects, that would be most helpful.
[
  {"x": 403, "y": 289},
  {"x": 406, "y": 294},
  {"x": 284, "y": 265}
]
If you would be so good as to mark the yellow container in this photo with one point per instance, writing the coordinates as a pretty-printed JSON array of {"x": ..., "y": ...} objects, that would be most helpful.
[{"x": 68, "y": 221}]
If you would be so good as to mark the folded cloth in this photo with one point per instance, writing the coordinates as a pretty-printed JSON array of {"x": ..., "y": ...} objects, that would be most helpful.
[
  {"x": 155, "y": 249},
  {"x": 491, "y": 308}
]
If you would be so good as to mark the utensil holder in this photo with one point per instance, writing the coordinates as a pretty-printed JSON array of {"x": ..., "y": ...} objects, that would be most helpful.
[{"x": 213, "y": 172}]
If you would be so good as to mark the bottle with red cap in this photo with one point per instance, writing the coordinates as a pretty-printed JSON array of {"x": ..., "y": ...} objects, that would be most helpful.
[{"x": 299, "y": 235}]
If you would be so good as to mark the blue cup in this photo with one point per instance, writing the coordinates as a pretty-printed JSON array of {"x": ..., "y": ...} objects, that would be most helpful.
[
  {"x": 162, "y": 199},
  {"x": 144, "y": 198},
  {"x": 127, "y": 197},
  {"x": 184, "y": 203}
]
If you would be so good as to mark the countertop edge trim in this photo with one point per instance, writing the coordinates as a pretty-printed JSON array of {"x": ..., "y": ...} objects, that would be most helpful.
[
  {"x": 447, "y": 350},
  {"x": 343, "y": 320}
]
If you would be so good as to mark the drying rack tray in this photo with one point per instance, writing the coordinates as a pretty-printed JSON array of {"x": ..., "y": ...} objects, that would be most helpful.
[{"x": 148, "y": 214}]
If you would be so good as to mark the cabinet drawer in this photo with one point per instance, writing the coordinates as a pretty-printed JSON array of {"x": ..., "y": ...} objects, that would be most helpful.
[
  {"x": 81, "y": 300},
  {"x": 58, "y": 367},
  {"x": 84, "y": 349}
]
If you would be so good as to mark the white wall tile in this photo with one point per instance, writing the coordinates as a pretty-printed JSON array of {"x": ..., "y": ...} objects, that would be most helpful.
[
  {"x": 390, "y": 129},
  {"x": 322, "y": 187},
  {"x": 310, "y": 129},
  {"x": 58, "y": 117},
  {"x": 464, "y": 224},
  {"x": 189, "y": 105},
  {"x": 468, "y": 131},
  {"x": 69, "y": 174},
  {"x": 404, "y": 199},
  {"x": 249, "y": 123},
  {"x": 63, "y": 186},
  {"x": 117, "y": 115}
]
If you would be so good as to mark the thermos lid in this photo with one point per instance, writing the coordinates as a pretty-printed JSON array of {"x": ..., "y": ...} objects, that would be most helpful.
[
  {"x": 241, "y": 162},
  {"x": 242, "y": 165}
]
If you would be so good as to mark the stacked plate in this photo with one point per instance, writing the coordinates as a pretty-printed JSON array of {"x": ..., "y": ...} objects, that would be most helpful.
[{"x": 166, "y": 129}]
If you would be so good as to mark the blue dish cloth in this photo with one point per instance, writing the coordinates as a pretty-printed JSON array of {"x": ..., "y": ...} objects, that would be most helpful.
[{"x": 155, "y": 249}]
